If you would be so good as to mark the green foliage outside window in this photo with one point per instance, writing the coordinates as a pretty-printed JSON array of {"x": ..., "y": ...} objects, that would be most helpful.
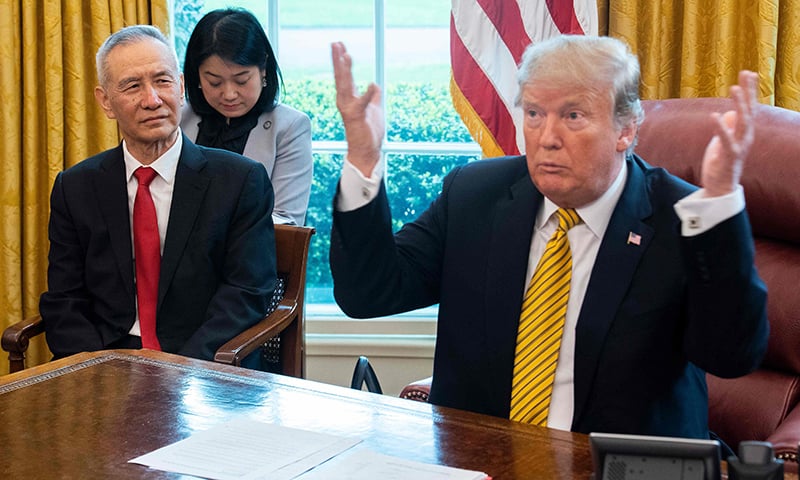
[
  {"x": 418, "y": 113},
  {"x": 186, "y": 14},
  {"x": 415, "y": 112}
]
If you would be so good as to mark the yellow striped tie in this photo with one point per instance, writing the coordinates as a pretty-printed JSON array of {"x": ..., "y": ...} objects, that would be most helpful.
[{"x": 541, "y": 325}]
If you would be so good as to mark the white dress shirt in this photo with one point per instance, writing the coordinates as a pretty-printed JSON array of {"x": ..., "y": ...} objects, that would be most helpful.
[{"x": 161, "y": 189}]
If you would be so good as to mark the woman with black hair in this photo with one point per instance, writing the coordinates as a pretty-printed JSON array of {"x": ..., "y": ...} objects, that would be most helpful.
[{"x": 233, "y": 83}]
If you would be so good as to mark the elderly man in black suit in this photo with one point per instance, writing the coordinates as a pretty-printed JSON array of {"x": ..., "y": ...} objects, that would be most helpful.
[
  {"x": 182, "y": 268},
  {"x": 655, "y": 286}
]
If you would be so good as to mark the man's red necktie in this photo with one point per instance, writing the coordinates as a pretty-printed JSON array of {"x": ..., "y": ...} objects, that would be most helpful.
[{"x": 147, "y": 249}]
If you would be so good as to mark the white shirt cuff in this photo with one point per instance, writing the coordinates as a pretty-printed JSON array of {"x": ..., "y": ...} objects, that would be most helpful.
[
  {"x": 699, "y": 214},
  {"x": 356, "y": 190}
]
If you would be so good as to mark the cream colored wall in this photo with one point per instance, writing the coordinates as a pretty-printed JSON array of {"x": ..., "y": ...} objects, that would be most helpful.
[
  {"x": 393, "y": 372},
  {"x": 400, "y": 349}
]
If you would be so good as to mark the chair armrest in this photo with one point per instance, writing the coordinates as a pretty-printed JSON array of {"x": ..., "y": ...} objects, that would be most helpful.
[
  {"x": 786, "y": 437},
  {"x": 16, "y": 339},
  {"x": 419, "y": 390},
  {"x": 247, "y": 342}
]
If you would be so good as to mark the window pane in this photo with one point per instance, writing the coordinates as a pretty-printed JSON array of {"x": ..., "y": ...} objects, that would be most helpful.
[
  {"x": 317, "y": 98},
  {"x": 187, "y": 13},
  {"x": 326, "y": 175},
  {"x": 413, "y": 181},
  {"x": 258, "y": 7},
  {"x": 418, "y": 105},
  {"x": 420, "y": 115},
  {"x": 305, "y": 55},
  {"x": 422, "y": 112},
  {"x": 307, "y": 28}
]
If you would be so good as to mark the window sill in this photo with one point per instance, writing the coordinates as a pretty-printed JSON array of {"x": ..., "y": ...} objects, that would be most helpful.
[{"x": 329, "y": 331}]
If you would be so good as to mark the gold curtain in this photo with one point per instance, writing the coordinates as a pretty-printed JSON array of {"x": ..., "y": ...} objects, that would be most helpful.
[
  {"x": 695, "y": 48},
  {"x": 49, "y": 121}
]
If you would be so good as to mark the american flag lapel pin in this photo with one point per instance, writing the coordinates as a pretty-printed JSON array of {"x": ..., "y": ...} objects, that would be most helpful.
[{"x": 634, "y": 238}]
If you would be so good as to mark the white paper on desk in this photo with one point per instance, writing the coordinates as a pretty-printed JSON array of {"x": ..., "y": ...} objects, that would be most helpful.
[
  {"x": 362, "y": 464},
  {"x": 245, "y": 449}
]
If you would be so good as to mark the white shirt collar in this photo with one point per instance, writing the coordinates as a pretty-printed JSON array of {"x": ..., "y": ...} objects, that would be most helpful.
[
  {"x": 597, "y": 214},
  {"x": 166, "y": 165}
]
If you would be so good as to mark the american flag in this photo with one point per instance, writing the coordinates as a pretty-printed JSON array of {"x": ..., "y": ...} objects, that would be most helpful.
[
  {"x": 487, "y": 39},
  {"x": 634, "y": 238}
]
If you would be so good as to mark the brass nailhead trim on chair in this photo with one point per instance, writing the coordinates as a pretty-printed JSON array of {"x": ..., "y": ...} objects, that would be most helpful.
[
  {"x": 416, "y": 396},
  {"x": 792, "y": 457}
]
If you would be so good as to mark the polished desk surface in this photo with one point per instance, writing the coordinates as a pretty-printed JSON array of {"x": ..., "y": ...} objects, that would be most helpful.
[{"x": 87, "y": 415}]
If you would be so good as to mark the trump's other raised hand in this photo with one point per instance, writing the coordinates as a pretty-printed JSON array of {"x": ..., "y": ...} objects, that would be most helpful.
[
  {"x": 726, "y": 152},
  {"x": 362, "y": 115}
]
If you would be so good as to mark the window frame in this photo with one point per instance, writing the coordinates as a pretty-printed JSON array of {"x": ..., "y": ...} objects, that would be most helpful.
[{"x": 324, "y": 311}]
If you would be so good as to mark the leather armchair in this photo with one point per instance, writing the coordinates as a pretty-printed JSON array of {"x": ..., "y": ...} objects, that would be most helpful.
[
  {"x": 764, "y": 404},
  {"x": 280, "y": 336}
]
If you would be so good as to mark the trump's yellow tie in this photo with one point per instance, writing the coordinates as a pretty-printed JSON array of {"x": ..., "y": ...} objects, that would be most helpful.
[{"x": 541, "y": 325}]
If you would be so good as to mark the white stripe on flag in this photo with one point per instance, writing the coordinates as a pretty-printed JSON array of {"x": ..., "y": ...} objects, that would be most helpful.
[
  {"x": 487, "y": 49},
  {"x": 537, "y": 20},
  {"x": 586, "y": 13}
]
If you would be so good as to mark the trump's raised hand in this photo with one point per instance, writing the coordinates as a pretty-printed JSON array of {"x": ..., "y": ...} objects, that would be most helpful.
[
  {"x": 362, "y": 115},
  {"x": 726, "y": 152}
]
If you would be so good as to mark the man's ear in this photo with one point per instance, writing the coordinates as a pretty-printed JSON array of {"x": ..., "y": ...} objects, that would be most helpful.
[
  {"x": 104, "y": 102},
  {"x": 626, "y": 136}
]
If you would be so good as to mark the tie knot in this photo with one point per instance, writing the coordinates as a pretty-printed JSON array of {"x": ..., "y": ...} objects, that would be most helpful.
[
  {"x": 567, "y": 218},
  {"x": 144, "y": 175}
]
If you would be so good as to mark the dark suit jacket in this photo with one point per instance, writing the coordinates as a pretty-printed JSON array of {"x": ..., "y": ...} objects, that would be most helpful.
[
  {"x": 654, "y": 318},
  {"x": 217, "y": 267}
]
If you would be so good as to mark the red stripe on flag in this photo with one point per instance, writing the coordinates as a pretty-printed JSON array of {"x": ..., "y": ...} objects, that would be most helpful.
[
  {"x": 507, "y": 19},
  {"x": 480, "y": 92},
  {"x": 563, "y": 15}
]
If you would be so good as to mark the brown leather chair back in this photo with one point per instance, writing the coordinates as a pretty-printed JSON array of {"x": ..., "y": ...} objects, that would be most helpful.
[{"x": 762, "y": 405}]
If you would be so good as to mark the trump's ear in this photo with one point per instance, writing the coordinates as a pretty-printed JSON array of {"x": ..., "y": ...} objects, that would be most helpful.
[
  {"x": 105, "y": 103},
  {"x": 626, "y": 137}
]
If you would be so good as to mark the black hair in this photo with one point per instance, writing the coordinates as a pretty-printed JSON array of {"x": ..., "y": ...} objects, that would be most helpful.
[{"x": 235, "y": 35}]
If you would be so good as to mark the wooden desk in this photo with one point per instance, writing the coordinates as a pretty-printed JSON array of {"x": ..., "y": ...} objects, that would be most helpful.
[{"x": 87, "y": 415}]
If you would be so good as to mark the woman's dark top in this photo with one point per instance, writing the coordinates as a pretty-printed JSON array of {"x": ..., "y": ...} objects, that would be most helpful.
[{"x": 215, "y": 131}]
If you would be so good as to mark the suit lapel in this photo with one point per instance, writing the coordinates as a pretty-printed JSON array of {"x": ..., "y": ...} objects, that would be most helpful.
[
  {"x": 611, "y": 275},
  {"x": 112, "y": 196},
  {"x": 512, "y": 228},
  {"x": 187, "y": 198}
]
